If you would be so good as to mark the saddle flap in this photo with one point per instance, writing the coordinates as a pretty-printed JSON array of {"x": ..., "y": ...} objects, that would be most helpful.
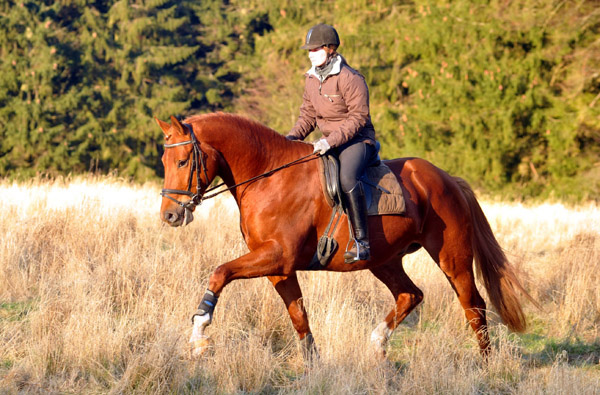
[
  {"x": 329, "y": 171},
  {"x": 333, "y": 186}
]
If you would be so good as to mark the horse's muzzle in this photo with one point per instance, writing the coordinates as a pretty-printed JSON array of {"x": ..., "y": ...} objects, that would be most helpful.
[{"x": 177, "y": 217}]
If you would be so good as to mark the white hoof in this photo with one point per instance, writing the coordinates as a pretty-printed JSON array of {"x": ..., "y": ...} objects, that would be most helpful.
[{"x": 201, "y": 347}]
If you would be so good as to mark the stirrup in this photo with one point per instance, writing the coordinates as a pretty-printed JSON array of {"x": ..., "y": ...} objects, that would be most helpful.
[{"x": 350, "y": 258}]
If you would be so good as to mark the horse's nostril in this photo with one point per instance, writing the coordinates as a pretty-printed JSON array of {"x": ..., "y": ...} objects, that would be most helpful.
[{"x": 171, "y": 217}]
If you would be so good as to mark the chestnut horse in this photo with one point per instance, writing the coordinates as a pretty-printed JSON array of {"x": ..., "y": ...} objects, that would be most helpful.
[{"x": 283, "y": 214}]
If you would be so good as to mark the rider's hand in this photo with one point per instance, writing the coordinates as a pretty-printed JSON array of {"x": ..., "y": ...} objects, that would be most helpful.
[{"x": 321, "y": 147}]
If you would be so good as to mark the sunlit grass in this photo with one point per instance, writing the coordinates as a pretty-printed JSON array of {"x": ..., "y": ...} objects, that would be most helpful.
[{"x": 96, "y": 295}]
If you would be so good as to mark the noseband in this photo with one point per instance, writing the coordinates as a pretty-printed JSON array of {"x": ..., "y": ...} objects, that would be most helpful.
[{"x": 197, "y": 165}]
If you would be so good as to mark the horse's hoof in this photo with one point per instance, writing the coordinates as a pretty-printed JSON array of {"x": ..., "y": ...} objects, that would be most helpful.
[
  {"x": 201, "y": 347},
  {"x": 380, "y": 354}
]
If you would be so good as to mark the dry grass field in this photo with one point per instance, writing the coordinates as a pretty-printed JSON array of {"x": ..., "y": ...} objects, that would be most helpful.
[{"x": 96, "y": 295}]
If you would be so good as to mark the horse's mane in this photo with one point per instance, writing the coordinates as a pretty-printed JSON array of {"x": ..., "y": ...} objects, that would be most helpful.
[
  {"x": 255, "y": 137},
  {"x": 254, "y": 128}
]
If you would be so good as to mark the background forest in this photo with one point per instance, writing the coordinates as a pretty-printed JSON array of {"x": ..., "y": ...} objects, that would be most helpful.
[{"x": 505, "y": 94}]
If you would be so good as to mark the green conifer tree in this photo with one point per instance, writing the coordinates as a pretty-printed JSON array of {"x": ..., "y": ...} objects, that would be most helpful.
[{"x": 82, "y": 80}]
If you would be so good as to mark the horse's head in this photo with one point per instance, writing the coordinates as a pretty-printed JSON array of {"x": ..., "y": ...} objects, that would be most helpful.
[{"x": 189, "y": 169}]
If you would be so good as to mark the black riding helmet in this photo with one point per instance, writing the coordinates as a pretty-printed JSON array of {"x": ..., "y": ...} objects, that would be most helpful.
[{"x": 320, "y": 35}]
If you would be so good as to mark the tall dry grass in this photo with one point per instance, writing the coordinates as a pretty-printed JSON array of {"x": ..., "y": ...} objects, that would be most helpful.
[{"x": 96, "y": 295}]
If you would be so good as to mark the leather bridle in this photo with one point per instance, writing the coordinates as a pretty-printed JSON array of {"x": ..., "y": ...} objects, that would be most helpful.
[{"x": 197, "y": 165}]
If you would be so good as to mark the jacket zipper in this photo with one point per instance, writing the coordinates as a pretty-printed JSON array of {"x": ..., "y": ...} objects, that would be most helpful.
[{"x": 320, "y": 86}]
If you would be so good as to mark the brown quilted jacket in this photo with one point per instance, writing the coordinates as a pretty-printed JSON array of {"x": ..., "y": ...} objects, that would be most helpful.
[{"x": 339, "y": 106}]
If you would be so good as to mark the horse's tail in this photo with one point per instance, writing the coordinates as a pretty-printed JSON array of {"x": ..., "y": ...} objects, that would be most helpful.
[{"x": 493, "y": 267}]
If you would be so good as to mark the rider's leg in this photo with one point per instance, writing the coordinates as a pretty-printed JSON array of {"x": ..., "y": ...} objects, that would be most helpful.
[
  {"x": 354, "y": 158},
  {"x": 357, "y": 210}
]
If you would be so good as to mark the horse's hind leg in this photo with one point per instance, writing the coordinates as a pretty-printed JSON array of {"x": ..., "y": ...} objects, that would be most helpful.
[
  {"x": 289, "y": 290},
  {"x": 407, "y": 297},
  {"x": 458, "y": 268}
]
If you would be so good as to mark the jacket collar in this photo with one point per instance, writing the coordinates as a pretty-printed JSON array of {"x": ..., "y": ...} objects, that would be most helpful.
[{"x": 338, "y": 61}]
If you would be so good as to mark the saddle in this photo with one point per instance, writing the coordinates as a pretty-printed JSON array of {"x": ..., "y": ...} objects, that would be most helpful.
[
  {"x": 382, "y": 192},
  {"x": 384, "y": 195}
]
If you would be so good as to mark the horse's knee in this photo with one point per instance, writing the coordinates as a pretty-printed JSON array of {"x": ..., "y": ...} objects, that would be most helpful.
[{"x": 218, "y": 279}]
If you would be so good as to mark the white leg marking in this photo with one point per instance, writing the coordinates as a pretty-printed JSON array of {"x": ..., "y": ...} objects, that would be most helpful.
[
  {"x": 200, "y": 342},
  {"x": 380, "y": 336},
  {"x": 200, "y": 323}
]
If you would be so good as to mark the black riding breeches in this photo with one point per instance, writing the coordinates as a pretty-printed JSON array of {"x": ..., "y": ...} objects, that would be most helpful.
[{"x": 355, "y": 157}]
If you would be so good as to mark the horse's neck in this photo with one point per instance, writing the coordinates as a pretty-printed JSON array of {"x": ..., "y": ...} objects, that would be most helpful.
[{"x": 247, "y": 155}]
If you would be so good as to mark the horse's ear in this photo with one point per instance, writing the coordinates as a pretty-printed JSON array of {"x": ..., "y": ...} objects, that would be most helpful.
[
  {"x": 178, "y": 126},
  {"x": 163, "y": 125}
]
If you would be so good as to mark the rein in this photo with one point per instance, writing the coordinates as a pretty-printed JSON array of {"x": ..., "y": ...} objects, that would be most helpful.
[
  {"x": 263, "y": 175},
  {"x": 197, "y": 198}
]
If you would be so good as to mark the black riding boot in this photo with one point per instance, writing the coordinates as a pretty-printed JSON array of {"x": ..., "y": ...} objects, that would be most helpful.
[{"x": 357, "y": 210}]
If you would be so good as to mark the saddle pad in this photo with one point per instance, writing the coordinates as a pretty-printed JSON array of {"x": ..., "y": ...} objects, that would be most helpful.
[{"x": 382, "y": 202}]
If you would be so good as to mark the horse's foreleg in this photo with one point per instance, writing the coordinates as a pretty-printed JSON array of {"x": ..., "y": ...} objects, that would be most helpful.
[
  {"x": 407, "y": 297},
  {"x": 263, "y": 261},
  {"x": 289, "y": 290}
]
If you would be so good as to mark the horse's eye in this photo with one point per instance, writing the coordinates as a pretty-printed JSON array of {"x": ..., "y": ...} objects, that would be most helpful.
[{"x": 182, "y": 163}]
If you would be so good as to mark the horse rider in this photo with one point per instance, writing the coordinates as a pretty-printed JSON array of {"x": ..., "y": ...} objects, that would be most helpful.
[{"x": 336, "y": 99}]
